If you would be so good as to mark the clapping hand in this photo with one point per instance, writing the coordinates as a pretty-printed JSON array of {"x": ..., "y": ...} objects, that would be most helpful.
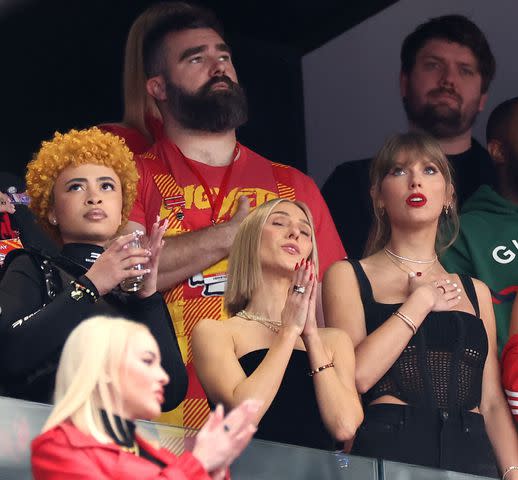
[
  {"x": 154, "y": 245},
  {"x": 223, "y": 438},
  {"x": 5, "y": 204}
]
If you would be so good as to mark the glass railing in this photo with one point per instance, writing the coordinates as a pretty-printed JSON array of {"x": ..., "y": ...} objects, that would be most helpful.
[{"x": 21, "y": 421}]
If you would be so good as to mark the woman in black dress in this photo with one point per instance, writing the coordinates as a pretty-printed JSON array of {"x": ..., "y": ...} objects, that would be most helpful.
[
  {"x": 426, "y": 355},
  {"x": 270, "y": 348},
  {"x": 82, "y": 186}
]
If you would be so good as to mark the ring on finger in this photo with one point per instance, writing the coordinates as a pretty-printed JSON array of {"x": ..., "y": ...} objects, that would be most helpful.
[{"x": 299, "y": 289}]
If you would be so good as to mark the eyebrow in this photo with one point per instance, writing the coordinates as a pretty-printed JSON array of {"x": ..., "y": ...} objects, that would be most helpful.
[
  {"x": 222, "y": 47},
  {"x": 441, "y": 59},
  {"x": 286, "y": 214},
  {"x": 150, "y": 352},
  {"x": 79, "y": 180}
]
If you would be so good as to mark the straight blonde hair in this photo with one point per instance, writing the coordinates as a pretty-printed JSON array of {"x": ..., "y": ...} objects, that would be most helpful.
[
  {"x": 244, "y": 266},
  {"x": 88, "y": 376}
]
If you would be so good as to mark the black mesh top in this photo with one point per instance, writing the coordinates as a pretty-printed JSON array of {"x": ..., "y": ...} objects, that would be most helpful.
[
  {"x": 442, "y": 365},
  {"x": 293, "y": 416}
]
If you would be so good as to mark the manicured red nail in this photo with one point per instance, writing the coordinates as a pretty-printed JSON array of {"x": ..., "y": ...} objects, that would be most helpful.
[
  {"x": 311, "y": 277},
  {"x": 297, "y": 266},
  {"x": 307, "y": 264}
]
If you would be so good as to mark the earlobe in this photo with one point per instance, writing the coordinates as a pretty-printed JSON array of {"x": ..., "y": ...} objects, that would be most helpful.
[
  {"x": 51, "y": 217},
  {"x": 496, "y": 151}
]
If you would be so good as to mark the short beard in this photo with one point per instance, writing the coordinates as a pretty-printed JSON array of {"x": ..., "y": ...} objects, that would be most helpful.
[
  {"x": 207, "y": 110},
  {"x": 440, "y": 121}
]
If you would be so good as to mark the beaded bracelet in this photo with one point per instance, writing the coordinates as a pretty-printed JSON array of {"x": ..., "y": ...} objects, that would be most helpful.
[
  {"x": 319, "y": 369},
  {"x": 509, "y": 470},
  {"x": 79, "y": 291},
  {"x": 407, "y": 320}
]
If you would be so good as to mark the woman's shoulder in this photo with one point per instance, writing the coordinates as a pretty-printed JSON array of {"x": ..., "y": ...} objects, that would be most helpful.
[
  {"x": 21, "y": 260},
  {"x": 59, "y": 434},
  {"x": 342, "y": 269},
  {"x": 208, "y": 327}
]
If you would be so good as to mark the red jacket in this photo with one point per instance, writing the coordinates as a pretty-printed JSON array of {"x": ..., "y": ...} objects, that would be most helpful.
[
  {"x": 510, "y": 373},
  {"x": 65, "y": 453}
]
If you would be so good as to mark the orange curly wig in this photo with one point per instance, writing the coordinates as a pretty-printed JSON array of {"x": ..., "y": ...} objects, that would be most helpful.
[{"x": 75, "y": 148}]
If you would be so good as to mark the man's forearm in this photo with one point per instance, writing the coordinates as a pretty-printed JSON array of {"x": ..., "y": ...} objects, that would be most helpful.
[{"x": 187, "y": 254}]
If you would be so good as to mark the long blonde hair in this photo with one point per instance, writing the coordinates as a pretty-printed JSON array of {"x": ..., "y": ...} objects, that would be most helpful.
[
  {"x": 244, "y": 265},
  {"x": 417, "y": 144},
  {"x": 88, "y": 376}
]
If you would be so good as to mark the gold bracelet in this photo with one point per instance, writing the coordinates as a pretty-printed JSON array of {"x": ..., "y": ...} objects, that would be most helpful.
[
  {"x": 407, "y": 320},
  {"x": 508, "y": 470},
  {"x": 319, "y": 369},
  {"x": 79, "y": 290}
]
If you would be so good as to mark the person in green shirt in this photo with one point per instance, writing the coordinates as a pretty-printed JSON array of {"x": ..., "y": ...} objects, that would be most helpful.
[{"x": 487, "y": 246}]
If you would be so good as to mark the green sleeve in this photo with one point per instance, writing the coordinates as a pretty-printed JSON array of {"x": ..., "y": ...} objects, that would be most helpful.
[{"x": 457, "y": 258}]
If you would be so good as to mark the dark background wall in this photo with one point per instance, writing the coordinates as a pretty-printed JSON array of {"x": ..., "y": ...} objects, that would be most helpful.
[{"x": 62, "y": 62}]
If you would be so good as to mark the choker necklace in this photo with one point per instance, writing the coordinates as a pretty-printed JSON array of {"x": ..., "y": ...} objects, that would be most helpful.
[
  {"x": 274, "y": 326},
  {"x": 411, "y": 260},
  {"x": 402, "y": 266}
]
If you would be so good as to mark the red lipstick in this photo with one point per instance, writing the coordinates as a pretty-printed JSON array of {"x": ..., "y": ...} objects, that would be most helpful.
[{"x": 416, "y": 200}]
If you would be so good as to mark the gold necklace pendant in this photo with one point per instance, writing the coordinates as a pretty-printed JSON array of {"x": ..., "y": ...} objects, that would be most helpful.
[
  {"x": 134, "y": 449},
  {"x": 273, "y": 325}
]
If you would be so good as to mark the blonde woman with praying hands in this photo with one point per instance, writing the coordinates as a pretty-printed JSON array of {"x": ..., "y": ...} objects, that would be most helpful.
[
  {"x": 271, "y": 348},
  {"x": 425, "y": 339}
]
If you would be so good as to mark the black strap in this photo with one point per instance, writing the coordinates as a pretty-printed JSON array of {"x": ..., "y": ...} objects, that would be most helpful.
[
  {"x": 469, "y": 287},
  {"x": 364, "y": 283}
]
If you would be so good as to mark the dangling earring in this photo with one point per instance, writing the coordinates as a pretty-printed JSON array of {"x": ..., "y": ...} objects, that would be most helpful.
[
  {"x": 447, "y": 209},
  {"x": 381, "y": 210},
  {"x": 54, "y": 221}
]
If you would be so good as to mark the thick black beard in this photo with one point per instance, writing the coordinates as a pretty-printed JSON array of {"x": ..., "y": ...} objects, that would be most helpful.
[
  {"x": 436, "y": 122},
  {"x": 208, "y": 110}
]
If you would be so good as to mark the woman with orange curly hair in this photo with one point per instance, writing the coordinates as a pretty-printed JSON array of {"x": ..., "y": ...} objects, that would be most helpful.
[{"x": 82, "y": 186}]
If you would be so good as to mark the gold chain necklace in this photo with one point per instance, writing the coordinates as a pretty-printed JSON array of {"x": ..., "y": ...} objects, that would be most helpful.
[
  {"x": 402, "y": 266},
  {"x": 273, "y": 325},
  {"x": 134, "y": 449}
]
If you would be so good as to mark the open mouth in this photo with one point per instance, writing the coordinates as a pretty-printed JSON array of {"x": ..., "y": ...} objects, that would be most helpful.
[{"x": 416, "y": 200}]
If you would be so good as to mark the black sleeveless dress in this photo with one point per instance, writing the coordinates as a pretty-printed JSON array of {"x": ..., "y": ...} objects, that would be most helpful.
[
  {"x": 439, "y": 375},
  {"x": 293, "y": 416}
]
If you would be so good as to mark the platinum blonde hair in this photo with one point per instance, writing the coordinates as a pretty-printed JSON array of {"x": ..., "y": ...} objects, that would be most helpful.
[
  {"x": 244, "y": 265},
  {"x": 88, "y": 376}
]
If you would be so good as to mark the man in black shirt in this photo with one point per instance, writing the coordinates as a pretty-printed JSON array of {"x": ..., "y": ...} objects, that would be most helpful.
[{"x": 446, "y": 69}]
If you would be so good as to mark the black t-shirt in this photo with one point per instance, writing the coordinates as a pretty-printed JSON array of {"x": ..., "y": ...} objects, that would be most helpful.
[{"x": 347, "y": 195}]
